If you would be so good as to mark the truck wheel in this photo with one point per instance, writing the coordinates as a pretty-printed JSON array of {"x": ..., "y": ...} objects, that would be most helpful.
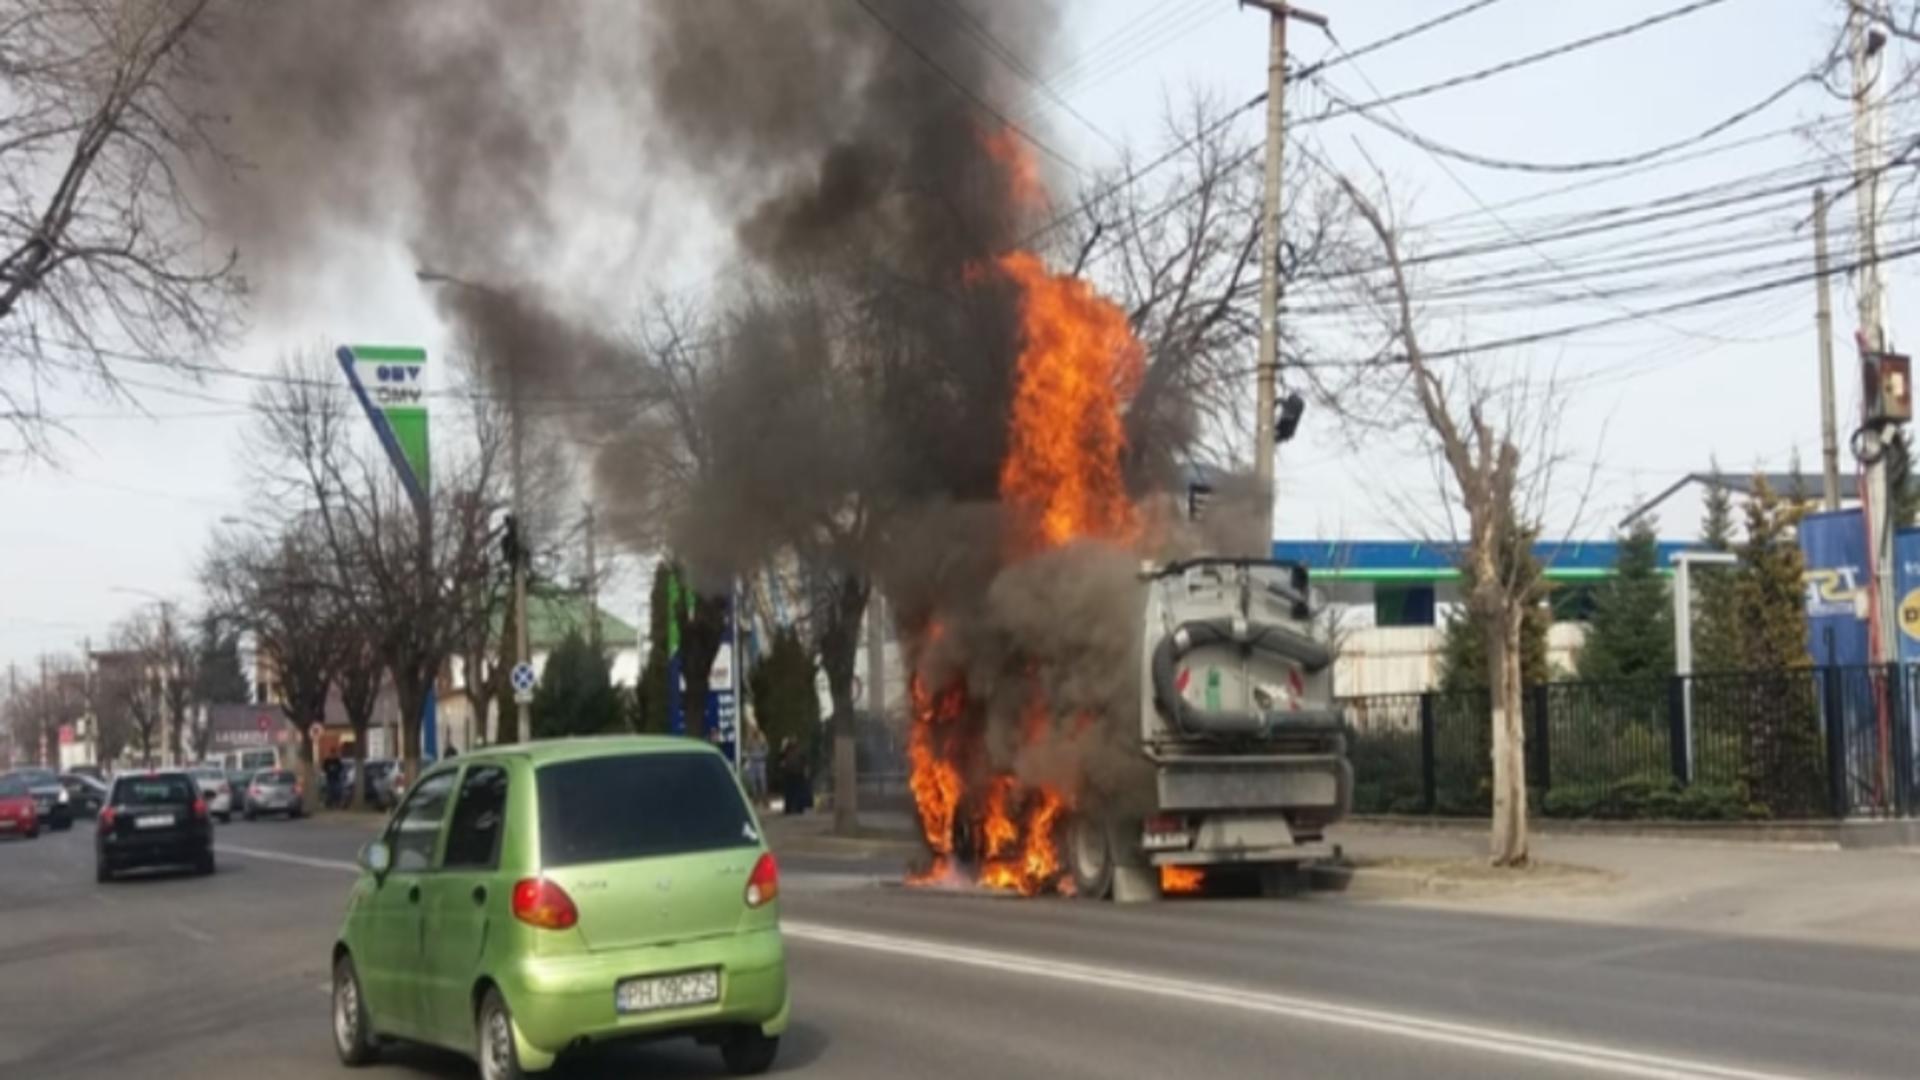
[
  {"x": 1090, "y": 856},
  {"x": 1279, "y": 881}
]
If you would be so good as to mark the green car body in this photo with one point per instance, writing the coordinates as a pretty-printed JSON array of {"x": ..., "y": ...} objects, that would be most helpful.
[{"x": 442, "y": 925}]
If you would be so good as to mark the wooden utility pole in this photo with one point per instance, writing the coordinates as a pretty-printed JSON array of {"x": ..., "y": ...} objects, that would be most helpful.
[
  {"x": 1260, "y": 544},
  {"x": 1823, "y": 320},
  {"x": 593, "y": 585}
]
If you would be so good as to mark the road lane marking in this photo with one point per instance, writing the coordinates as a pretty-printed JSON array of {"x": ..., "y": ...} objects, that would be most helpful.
[
  {"x": 1593, "y": 1057},
  {"x": 285, "y": 857},
  {"x": 1589, "y": 1056},
  {"x": 193, "y": 933}
]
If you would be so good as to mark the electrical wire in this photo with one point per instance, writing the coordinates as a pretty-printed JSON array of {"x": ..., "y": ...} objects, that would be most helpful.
[{"x": 966, "y": 91}]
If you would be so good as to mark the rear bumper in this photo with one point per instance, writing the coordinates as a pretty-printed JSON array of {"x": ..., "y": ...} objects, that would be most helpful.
[
  {"x": 171, "y": 850},
  {"x": 560, "y": 1001}
]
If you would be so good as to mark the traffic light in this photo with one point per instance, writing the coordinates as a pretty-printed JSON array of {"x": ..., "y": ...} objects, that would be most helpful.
[
  {"x": 1287, "y": 422},
  {"x": 510, "y": 541}
]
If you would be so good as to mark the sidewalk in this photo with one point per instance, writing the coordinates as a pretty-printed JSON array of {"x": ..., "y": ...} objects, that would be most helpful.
[{"x": 1811, "y": 892}]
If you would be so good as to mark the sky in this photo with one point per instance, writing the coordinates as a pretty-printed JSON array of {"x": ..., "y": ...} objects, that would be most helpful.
[{"x": 121, "y": 517}]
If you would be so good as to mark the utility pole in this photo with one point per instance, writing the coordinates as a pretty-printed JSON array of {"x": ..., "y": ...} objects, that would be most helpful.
[
  {"x": 520, "y": 652},
  {"x": 1271, "y": 285},
  {"x": 1865, "y": 49},
  {"x": 40, "y": 725},
  {"x": 1823, "y": 320},
  {"x": 593, "y": 585}
]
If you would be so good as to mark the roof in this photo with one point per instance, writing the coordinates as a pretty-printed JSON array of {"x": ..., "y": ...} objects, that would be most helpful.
[
  {"x": 1809, "y": 487},
  {"x": 544, "y": 751},
  {"x": 550, "y": 614},
  {"x": 1413, "y": 560}
]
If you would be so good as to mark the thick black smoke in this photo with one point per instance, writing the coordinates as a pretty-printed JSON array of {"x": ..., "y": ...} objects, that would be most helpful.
[{"x": 860, "y": 373}]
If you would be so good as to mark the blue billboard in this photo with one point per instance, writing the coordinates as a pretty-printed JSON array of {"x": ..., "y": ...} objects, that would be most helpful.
[{"x": 1835, "y": 546}]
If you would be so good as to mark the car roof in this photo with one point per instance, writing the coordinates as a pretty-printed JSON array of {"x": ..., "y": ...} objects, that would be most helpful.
[{"x": 549, "y": 751}]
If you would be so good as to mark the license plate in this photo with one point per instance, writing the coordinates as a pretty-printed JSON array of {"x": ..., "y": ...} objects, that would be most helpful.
[
  {"x": 6, "y": 823},
  {"x": 668, "y": 991},
  {"x": 153, "y": 821}
]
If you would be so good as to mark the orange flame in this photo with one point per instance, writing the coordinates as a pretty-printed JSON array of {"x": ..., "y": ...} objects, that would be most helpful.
[
  {"x": 1079, "y": 365},
  {"x": 1177, "y": 880},
  {"x": 1017, "y": 166},
  {"x": 1062, "y": 480},
  {"x": 934, "y": 780}
]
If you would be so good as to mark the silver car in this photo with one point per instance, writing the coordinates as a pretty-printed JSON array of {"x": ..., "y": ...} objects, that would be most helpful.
[
  {"x": 275, "y": 791},
  {"x": 215, "y": 788}
]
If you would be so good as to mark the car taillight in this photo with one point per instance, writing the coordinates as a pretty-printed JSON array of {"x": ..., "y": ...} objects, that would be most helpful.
[
  {"x": 200, "y": 807},
  {"x": 542, "y": 903},
  {"x": 763, "y": 885},
  {"x": 107, "y": 814}
]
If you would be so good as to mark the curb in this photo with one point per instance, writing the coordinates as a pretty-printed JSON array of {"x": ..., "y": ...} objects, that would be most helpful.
[{"x": 1831, "y": 835}]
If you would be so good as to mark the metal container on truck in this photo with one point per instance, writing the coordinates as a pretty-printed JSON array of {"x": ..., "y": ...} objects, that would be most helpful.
[{"x": 1241, "y": 755}]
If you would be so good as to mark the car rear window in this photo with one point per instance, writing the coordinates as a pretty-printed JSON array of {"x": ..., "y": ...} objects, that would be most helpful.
[
  {"x": 154, "y": 791},
  {"x": 12, "y": 787},
  {"x": 275, "y": 776},
  {"x": 639, "y": 806}
]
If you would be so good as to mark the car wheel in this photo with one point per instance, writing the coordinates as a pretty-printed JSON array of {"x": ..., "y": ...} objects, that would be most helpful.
[
  {"x": 226, "y": 818},
  {"x": 204, "y": 865},
  {"x": 499, "y": 1058},
  {"x": 33, "y": 833},
  {"x": 749, "y": 1053},
  {"x": 63, "y": 825},
  {"x": 352, "y": 1035},
  {"x": 251, "y": 816},
  {"x": 102, "y": 873}
]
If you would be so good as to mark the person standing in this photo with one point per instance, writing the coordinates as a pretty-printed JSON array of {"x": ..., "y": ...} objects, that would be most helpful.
[{"x": 755, "y": 760}]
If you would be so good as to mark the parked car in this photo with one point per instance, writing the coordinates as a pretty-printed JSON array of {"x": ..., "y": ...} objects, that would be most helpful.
[
  {"x": 239, "y": 780},
  {"x": 19, "y": 816},
  {"x": 86, "y": 794},
  {"x": 528, "y": 899},
  {"x": 275, "y": 791},
  {"x": 153, "y": 819},
  {"x": 218, "y": 791},
  {"x": 384, "y": 783},
  {"x": 50, "y": 799}
]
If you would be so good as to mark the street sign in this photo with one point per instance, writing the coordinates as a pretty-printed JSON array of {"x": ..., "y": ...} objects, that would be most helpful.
[
  {"x": 314, "y": 731},
  {"x": 391, "y": 384},
  {"x": 523, "y": 682}
]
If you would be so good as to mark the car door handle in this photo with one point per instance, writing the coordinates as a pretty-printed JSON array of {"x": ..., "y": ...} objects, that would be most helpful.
[
  {"x": 479, "y": 894},
  {"x": 413, "y": 894}
]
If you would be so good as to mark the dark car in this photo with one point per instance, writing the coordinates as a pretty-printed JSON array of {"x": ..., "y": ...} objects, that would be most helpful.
[
  {"x": 154, "y": 819},
  {"x": 49, "y": 797},
  {"x": 85, "y": 794}
]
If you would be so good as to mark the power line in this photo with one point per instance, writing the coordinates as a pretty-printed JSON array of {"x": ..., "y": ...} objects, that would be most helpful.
[
  {"x": 999, "y": 49},
  {"x": 1527, "y": 60},
  {"x": 1395, "y": 38},
  {"x": 982, "y": 103}
]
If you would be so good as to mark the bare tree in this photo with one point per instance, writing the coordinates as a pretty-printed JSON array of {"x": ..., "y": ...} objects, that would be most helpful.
[
  {"x": 133, "y": 685},
  {"x": 1182, "y": 255},
  {"x": 412, "y": 581},
  {"x": 1476, "y": 428},
  {"x": 103, "y": 256},
  {"x": 360, "y": 681},
  {"x": 280, "y": 588}
]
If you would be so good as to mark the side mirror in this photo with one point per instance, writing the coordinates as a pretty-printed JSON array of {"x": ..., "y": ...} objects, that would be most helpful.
[{"x": 376, "y": 858}]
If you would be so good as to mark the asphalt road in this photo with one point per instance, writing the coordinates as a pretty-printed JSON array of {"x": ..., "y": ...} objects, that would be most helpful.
[{"x": 178, "y": 976}]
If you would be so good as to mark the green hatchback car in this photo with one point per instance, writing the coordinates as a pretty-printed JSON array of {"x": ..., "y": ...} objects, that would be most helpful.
[{"x": 531, "y": 899}]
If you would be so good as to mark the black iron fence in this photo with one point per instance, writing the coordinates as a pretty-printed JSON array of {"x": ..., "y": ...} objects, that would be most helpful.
[{"x": 1814, "y": 742}]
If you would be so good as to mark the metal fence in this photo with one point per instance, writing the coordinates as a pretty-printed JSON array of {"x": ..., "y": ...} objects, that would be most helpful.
[{"x": 1807, "y": 743}]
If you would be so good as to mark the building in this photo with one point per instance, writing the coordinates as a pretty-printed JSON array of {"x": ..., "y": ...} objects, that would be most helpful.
[
  {"x": 551, "y": 616},
  {"x": 1388, "y": 602}
]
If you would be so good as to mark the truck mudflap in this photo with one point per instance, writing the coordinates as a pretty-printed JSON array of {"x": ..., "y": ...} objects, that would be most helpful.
[{"x": 1274, "y": 640}]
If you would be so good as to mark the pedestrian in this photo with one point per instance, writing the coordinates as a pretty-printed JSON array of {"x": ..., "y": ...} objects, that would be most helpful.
[
  {"x": 334, "y": 771},
  {"x": 755, "y": 760},
  {"x": 798, "y": 792}
]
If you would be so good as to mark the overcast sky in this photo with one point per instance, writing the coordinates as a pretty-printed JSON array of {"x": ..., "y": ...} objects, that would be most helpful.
[{"x": 124, "y": 512}]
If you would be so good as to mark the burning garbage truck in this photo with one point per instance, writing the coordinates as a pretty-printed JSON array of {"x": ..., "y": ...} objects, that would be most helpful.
[
  {"x": 1092, "y": 714},
  {"x": 1221, "y": 752}
]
